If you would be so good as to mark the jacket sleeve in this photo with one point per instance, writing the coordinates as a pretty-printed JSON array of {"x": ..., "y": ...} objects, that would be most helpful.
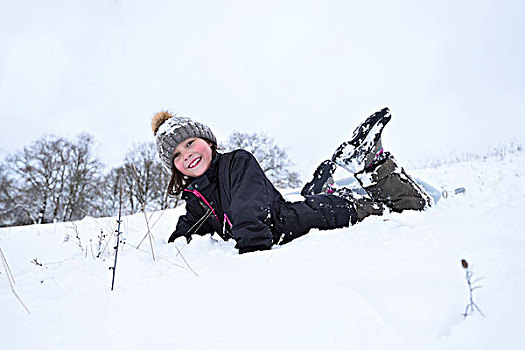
[
  {"x": 250, "y": 204},
  {"x": 193, "y": 214}
]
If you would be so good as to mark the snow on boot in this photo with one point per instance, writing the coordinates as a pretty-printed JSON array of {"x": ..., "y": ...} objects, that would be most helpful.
[
  {"x": 352, "y": 155},
  {"x": 363, "y": 204},
  {"x": 322, "y": 179}
]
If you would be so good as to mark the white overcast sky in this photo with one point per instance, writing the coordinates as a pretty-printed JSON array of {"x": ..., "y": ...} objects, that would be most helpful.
[{"x": 305, "y": 72}]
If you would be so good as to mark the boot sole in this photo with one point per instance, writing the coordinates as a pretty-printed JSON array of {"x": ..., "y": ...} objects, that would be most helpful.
[
  {"x": 321, "y": 175},
  {"x": 359, "y": 145}
]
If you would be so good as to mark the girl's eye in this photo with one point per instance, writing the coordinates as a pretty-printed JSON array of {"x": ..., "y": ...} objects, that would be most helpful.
[
  {"x": 176, "y": 155},
  {"x": 189, "y": 143}
]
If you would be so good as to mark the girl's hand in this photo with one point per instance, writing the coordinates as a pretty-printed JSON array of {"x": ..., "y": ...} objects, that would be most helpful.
[{"x": 176, "y": 235}]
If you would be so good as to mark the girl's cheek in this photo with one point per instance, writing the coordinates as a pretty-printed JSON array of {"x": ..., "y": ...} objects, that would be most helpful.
[{"x": 178, "y": 166}]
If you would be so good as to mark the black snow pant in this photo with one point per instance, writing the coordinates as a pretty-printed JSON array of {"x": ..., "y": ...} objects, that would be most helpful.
[{"x": 321, "y": 211}]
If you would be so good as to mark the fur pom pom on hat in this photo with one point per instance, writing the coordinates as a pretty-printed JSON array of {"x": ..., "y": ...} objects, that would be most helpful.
[{"x": 170, "y": 130}]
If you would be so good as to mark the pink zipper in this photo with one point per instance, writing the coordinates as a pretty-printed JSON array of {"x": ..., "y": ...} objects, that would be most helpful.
[{"x": 200, "y": 196}]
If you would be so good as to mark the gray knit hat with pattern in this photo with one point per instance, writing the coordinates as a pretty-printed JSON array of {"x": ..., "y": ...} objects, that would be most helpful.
[{"x": 170, "y": 130}]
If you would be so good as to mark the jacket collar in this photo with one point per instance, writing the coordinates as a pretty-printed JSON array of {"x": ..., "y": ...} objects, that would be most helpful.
[{"x": 203, "y": 181}]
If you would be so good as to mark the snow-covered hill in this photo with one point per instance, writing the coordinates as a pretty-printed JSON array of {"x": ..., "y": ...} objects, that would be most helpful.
[{"x": 391, "y": 282}]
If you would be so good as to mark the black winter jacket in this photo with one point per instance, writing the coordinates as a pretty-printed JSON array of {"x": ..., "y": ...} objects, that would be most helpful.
[{"x": 247, "y": 207}]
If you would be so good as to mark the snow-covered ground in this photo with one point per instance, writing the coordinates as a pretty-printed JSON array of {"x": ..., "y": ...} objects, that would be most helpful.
[{"x": 391, "y": 282}]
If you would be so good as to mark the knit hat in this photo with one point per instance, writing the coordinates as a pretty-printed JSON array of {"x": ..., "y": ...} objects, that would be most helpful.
[{"x": 170, "y": 130}]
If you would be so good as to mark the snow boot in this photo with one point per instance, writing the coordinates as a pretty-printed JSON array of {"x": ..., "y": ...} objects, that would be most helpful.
[
  {"x": 386, "y": 182},
  {"x": 363, "y": 204},
  {"x": 374, "y": 155},
  {"x": 322, "y": 179},
  {"x": 365, "y": 143}
]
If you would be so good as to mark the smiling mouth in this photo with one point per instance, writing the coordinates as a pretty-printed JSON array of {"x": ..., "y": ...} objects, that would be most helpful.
[{"x": 194, "y": 163}]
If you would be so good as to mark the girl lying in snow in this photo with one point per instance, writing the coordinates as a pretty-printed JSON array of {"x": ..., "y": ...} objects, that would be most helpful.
[{"x": 230, "y": 195}]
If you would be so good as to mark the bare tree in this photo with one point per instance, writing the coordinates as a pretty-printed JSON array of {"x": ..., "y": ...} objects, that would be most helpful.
[
  {"x": 14, "y": 209},
  {"x": 149, "y": 179},
  {"x": 106, "y": 193},
  {"x": 39, "y": 170},
  {"x": 83, "y": 171},
  {"x": 273, "y": 159},
  {"x": 53, "y": 179},
  {"x": 7, "y": 207}
]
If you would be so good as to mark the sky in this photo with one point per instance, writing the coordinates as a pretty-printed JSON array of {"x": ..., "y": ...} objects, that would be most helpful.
[{"x": 305, "y": 72}]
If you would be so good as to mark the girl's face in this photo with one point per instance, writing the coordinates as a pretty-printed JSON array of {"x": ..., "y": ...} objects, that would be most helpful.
[{"x": 192, "y": 157}]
